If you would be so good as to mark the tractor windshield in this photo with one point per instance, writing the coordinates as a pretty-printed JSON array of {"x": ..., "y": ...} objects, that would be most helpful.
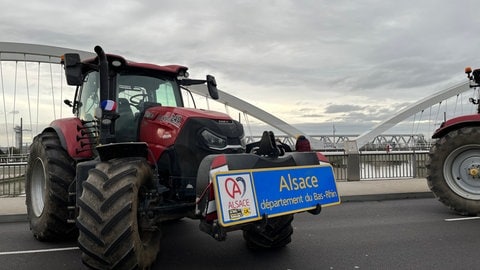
[{"x": 132, "y": 91}]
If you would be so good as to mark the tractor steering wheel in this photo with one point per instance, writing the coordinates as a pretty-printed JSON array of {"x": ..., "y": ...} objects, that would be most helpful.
[{"x": 135, "y": 100}]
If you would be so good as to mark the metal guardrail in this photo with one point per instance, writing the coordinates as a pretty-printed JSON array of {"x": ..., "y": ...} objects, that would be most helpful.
[
  {"x": 373, "y": 165},
  {"x": 13, "y": 159},
  {"x": 12, "y": 178},
  {"x": 382, "y": 165}
]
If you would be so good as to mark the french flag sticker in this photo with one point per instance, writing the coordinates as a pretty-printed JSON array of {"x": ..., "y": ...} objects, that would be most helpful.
[{"x": 108, "y": 105}]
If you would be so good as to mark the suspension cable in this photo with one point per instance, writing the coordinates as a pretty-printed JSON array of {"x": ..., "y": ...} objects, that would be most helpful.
[
  {"x": 38, "y": 97},
  {"x": 14, "y": 95},
  {"x": 28, "y": 100},
  {"x": 445, "y": 112},
  {"x": 438, "y": 112},
  {"x": 53, "y": 94},
  {"x": 245, "y": 115},
  {"x": 413, "y": 123},
  {"x": 3, "y": 94},
  {"x": 456, "y": 103},
  {"x": 430, "y": 117},
  {"x": 61, "y": 92},
  {"x": 419, "y": 120}
]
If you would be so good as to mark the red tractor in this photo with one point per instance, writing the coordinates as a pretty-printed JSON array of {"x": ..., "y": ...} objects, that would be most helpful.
[
  {"x": 454, "y": 166},
  {"x": 133, "y": 157}
]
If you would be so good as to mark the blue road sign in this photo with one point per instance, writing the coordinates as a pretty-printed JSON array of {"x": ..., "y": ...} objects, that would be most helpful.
[{"x": 247, "y": 195}]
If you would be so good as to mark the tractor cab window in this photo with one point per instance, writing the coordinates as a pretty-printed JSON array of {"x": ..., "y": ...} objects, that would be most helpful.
[
  {"x": 165, "y": 95},
  {"x": 135, "y": 93},
  {"x": 89, "y": 97}
]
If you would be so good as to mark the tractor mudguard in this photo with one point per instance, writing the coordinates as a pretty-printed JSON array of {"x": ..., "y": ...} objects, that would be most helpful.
[
  {"x": 82, "y": 175},
  {"x": 107, "y": 152},
  {"x": 69, "y": 131},
  {"x": 456, "y": 123}
]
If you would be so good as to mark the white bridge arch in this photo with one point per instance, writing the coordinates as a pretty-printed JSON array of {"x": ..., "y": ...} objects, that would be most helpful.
[{"x": 367, "y": 136}]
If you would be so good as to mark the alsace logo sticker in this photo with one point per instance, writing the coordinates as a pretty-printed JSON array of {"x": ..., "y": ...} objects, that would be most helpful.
[
  {"x": 236, "y": 197},
  {"x": 171, "y": 118},
  {"x": 232, "y": 186}
]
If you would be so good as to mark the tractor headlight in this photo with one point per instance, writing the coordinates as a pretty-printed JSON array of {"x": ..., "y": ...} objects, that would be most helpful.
[{"x": 213, "y": 141}]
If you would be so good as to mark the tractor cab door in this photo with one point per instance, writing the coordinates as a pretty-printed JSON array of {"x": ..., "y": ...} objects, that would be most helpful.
[{"x": 129, "y": 99}]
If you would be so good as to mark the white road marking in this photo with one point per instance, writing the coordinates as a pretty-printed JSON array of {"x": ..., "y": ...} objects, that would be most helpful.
[
  {"x": 37, "y": 251},
  {"x": 461, "y": 219}
]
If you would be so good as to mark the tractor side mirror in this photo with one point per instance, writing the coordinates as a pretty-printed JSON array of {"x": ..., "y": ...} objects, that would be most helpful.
[
  {"x": 212, "y": 87},
  {"x": 73, "y": 69}
]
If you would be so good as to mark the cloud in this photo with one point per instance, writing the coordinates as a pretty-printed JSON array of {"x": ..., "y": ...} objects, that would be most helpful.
[{"x": 335, "y": 108}]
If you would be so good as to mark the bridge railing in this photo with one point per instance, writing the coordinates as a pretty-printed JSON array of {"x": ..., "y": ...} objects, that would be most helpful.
[
  {"x": 13, "y": 158},
  {"x": 382, "y": 165},
  {"x": 373, "y": 165},
  {"x": 12, "y": 178}
]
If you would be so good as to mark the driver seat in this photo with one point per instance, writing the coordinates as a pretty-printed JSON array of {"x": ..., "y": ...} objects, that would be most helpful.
[{"x": 125, "y": 127}]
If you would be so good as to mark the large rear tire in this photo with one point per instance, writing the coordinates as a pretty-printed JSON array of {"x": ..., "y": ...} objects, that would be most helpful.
[
  {"x": 276, "y": 233},
  {"x": 454, "y": 170},
  {"x": 50, "y": 172},
  {"x": 113, "y": 234}
]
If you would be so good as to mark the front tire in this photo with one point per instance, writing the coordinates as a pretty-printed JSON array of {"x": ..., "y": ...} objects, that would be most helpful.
[
  {"x": 113, "y": 234},
  {"x": 276, "y": 233},
  {"x": 49, "y": 174},
  {"x": 454, "y": 170}
]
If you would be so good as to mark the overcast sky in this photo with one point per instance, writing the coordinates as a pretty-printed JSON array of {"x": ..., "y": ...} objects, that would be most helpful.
[{"x": 307, "y": 62}]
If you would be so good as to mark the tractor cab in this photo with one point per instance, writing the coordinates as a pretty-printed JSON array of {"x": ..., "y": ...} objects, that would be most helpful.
[
  {"x": 132, "y": 94},
  {"x": 120, "y": 96}
]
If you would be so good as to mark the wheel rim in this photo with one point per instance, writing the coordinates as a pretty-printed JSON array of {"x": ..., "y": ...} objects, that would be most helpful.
[
  {"x": 37, "y": 187},
  {"x": 462, "y": 171}
]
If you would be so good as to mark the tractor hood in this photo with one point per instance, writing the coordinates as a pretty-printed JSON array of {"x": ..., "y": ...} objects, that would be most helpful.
[
  {"x": 162, "y": 127},
  {"x": 177, "y": 116}
]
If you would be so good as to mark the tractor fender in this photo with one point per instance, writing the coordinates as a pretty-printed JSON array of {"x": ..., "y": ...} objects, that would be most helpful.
[
  {"x": 456, "y": 123},
  {"x": 225, "y": 162},
  {"x": 107, "y": 152},
  {"x": 71, "y": 138}
]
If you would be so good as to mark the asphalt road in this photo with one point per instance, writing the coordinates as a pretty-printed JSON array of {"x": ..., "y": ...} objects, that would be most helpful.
[{"x": 397, "y": 234}]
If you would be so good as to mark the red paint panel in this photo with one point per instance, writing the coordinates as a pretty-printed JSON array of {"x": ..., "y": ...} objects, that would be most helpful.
[{"x": 69, "y": 129}]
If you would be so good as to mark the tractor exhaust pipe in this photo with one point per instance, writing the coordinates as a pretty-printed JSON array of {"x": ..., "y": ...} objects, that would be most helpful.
[
  {"x": 107, "y": 118},
  {"x": 103, "y": 70}
]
